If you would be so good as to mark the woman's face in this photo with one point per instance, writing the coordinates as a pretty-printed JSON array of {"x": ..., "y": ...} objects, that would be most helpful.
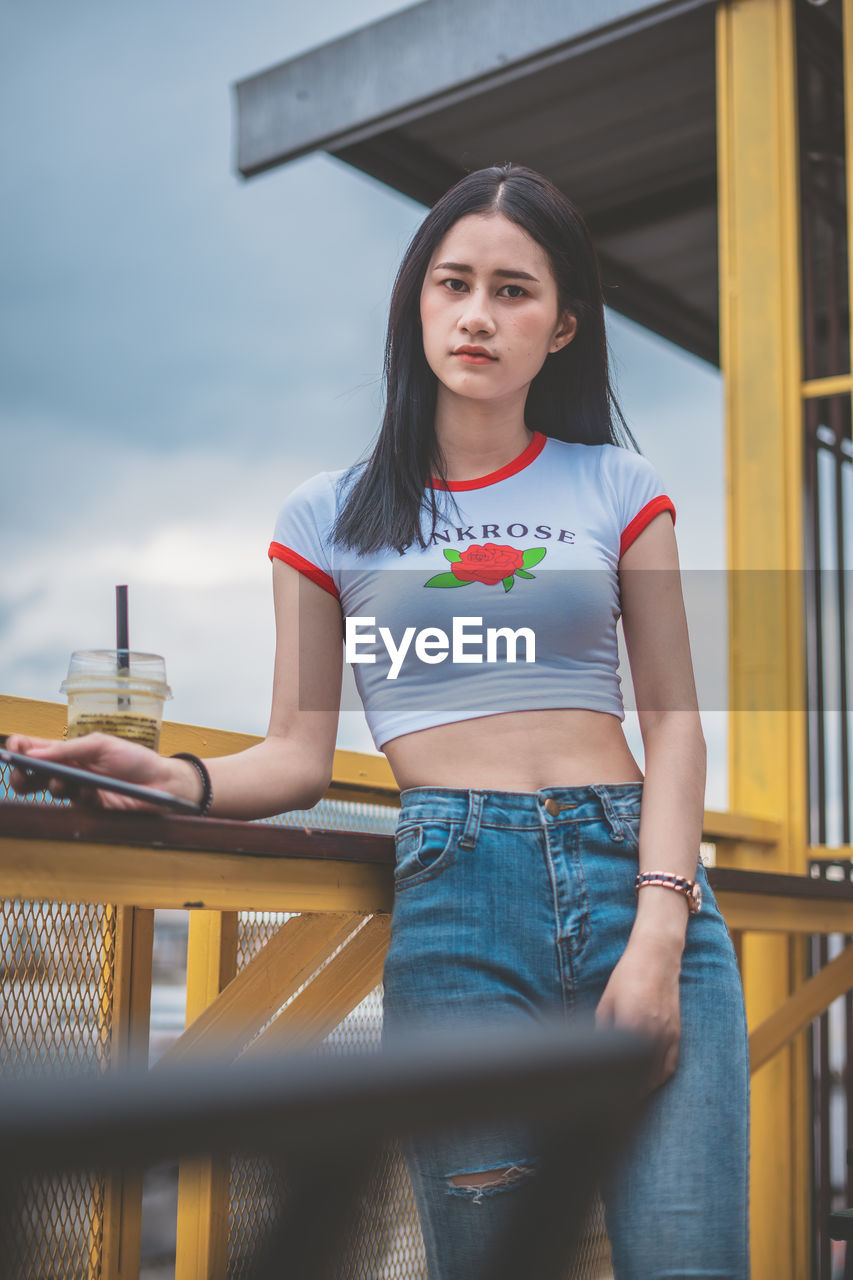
[{"x": 489, "y": 309}]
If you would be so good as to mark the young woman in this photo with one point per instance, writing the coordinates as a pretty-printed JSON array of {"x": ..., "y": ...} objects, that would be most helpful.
[{"x": 475, "y": 567}]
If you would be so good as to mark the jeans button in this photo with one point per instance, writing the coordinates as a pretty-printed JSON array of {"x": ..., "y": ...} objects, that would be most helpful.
[{"x": 552, "y": 806}]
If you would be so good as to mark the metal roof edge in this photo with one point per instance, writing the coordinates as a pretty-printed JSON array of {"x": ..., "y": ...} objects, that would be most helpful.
[{"x": 381, "y": 76}]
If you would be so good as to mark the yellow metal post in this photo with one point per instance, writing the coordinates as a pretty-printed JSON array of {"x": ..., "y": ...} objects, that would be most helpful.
[
  {"x": 203, "y": 1185},
  {"x": 760, "y": 356},
  {"x": 131, "y": 1012}
]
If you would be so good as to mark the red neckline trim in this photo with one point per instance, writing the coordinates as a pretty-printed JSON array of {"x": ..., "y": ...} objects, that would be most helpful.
[{"x": 524, "y": 459}]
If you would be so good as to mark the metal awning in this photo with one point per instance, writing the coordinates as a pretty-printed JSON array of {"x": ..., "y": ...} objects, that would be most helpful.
[{"x": 614, "y": 101}]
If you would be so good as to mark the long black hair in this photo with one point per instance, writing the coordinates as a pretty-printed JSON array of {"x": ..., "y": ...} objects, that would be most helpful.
[{"x": 571, "y": 398}]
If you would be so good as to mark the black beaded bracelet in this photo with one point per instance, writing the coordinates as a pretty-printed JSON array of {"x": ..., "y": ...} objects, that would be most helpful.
[{"x": 201, "y": 769}]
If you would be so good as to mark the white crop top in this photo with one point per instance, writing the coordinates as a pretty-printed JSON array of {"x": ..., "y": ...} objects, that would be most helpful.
[{"x": 512, "y": 606}]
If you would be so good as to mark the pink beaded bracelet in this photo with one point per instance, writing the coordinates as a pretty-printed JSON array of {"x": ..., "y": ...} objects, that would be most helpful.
[{"x": 668, "y": 880}]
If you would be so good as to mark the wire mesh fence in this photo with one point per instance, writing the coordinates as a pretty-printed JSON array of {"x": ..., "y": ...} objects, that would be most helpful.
[{"x": 57, "y": 965}]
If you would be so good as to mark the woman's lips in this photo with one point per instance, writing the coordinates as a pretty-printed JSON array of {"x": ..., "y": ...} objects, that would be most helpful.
[{"x": 474, "y": 357}]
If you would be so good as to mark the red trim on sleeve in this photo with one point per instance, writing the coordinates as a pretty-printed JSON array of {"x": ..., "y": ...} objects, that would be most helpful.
[
  {"x": 645, "y": 517},
  {"x": 524, "y": 459},
  {"x": 296, "y": 561}
]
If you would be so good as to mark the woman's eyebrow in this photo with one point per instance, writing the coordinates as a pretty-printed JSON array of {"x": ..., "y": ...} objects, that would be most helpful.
[{"x": 512, "y": 274}]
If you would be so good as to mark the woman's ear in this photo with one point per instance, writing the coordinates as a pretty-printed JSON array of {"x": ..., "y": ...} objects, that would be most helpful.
[{"x": 565, "y": 331}]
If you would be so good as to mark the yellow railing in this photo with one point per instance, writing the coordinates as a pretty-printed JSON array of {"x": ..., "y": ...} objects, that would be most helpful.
[{"x": 315, "y": 967}]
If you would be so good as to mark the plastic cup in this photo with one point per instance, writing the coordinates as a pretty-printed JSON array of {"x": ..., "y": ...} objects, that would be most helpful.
[{"x": 125, "y": 701}]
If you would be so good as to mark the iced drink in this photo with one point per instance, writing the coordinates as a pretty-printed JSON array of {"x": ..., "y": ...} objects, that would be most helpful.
[{"x": 123, "y": 700}]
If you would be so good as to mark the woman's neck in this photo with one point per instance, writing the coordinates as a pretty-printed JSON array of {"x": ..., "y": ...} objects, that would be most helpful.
[{"x": 476, "y": 438}]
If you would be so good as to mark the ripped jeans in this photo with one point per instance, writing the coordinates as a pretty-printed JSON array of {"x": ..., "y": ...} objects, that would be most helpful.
[{"x": 504, "y": 907}]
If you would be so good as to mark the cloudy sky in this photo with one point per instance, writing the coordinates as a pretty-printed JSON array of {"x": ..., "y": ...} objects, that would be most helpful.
[{"x": 180, "y": 348}]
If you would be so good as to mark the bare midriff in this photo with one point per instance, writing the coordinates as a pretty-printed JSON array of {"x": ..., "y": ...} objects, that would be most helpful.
[{"x": 516, "y": 751}]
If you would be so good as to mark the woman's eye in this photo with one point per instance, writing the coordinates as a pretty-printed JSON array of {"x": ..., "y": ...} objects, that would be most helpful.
[{"x": 455, "y": 285}]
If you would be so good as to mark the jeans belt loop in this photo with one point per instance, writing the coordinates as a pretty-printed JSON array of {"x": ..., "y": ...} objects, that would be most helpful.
[
  {"x": 472, "y": 823},
  {"x": 615, "y": 822}
]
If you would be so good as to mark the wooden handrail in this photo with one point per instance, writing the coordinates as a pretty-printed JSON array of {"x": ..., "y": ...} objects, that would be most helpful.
[{"x": 214, "y": 835}]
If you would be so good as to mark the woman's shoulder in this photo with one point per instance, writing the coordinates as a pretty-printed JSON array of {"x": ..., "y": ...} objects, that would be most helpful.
[
  {"x": 611, "y": 460},
  {"x": 636, "y": 490},
  {"x": 622, "y": 464},
  {"x": 624, "y": 478},
  {"x": 583, "y": 451},
  {"x": 322, "y": 492},
  {"x": 303, "y": 531}
]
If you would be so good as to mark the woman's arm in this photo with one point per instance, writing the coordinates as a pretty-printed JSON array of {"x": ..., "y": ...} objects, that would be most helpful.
[
  {"x": 643, "y": 990},
  {"x": 656, "y": 637},
  {"x": 291, "y": 768}
]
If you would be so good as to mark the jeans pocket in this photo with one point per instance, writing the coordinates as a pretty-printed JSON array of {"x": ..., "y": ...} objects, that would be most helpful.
[{"x": 423, "y": 850}]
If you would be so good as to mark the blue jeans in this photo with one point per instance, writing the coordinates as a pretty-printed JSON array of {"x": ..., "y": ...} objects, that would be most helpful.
[{"x": 502, "y": 908}]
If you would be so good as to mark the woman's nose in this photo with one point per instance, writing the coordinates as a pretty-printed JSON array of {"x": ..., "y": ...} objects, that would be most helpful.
[{"x": 476, "y": 316}]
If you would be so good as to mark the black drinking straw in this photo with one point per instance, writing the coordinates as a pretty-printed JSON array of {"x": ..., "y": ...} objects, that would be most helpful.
[{"x": 122, "y": 642}]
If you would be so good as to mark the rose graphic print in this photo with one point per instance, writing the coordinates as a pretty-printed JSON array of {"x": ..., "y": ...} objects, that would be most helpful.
[{"x": 489, "y": 564}]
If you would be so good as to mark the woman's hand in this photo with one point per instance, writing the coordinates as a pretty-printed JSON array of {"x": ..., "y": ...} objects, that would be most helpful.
[
  {"x": 113, "y": 757},
  {"x": 642, "y": 995}
]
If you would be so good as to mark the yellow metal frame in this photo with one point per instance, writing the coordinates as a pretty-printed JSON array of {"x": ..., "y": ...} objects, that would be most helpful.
[
  {"x": 761, "y": 364},
  {"x": 807, "y": 1003},
  {"x": 817, "y": 388},
  {"x": 54, "y": 870},
  {"x": 203, "y": 1185},
  {"x": 131, "y": 1012}
]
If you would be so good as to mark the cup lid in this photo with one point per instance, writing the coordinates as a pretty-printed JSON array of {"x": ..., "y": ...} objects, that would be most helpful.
[{"x": 99, "y": 668}]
